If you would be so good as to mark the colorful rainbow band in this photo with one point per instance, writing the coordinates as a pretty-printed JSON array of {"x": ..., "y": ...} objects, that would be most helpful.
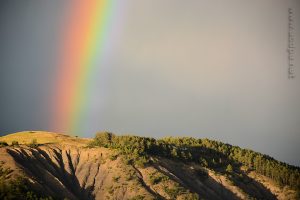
[{"x": 84, "y": 37}]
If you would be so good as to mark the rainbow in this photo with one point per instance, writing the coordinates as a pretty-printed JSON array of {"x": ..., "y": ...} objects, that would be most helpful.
[{"x": 85, "y": 39}]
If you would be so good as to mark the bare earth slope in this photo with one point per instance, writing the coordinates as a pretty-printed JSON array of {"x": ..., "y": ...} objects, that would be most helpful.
[{"x": 62, "y": 166}]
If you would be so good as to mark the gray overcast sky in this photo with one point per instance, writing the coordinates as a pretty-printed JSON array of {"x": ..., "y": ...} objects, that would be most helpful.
[{"x": 183, "y": 68}]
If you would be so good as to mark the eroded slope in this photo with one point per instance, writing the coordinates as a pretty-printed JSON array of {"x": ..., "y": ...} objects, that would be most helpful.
[{"x": 64, "y": 167}]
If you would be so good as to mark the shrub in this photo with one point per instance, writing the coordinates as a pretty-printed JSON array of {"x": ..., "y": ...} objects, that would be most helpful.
[
  {"x": 203, "y": 162},
  {"x": 127, "y": 160},
  {"x": 191, "y": 196},
  {"x": 128, "y": 177},
  {"x": 113, "y": 157},
  {"x": 154, "y": 180},
  {"x": 116, "y": 178},
  {"x": 111, "y": 191},
  {"x": 229, "y": 168},
  {"x": 201, "y": 174},
  {"x": 33, "y": 143},
  {"x": 4, "y": 172},
  {"x": 15, "y": 143},
  {"x": 138, "y": 197},
  {"x": 157, "y": 178},
  {"x": 141, "y": 162},
  {"x": 3, "y": 144},
  {"x": 174, "y": 192},
  {"x": 103, "y": 139}
]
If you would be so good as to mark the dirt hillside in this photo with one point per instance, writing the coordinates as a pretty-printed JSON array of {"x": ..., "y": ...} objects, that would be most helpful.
[{"x": 62, "y": 167}]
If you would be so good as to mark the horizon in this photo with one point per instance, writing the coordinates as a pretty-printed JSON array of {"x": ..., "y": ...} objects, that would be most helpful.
[
  {"x": 223, "y": 71},
  {"x": 156, "y": 138}
]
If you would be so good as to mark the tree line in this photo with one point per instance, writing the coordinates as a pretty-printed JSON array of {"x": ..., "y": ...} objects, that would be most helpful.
[{"x": 208, "y": 153}]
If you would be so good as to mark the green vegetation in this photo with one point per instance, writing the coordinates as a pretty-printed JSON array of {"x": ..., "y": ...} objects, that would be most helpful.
[
  {"x": 191, "y": 196},
  {"x": 111, "y": 190},
  {"x": 116, "y": 178},
  {"x": 202, "y": 174},
  {"x": 16, "y": 188},
  {"x": 221, "y": 157},
  {"x": 138, "y": 197},
  {"x": 15, "y": 143},
  {"x": 33, "y": 143},
  {"x": 156, "y": 178},
  {"x": 229, "y": 168},
  {"x": 113, "y": 157},
  {"x": 174, "y": 191},
  {"x": 141, "y": 161},
  {"x": 3, "y": 144}
]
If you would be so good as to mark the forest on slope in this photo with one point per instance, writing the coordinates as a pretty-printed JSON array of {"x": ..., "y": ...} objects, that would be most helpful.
[{"x": 208, "y": 153}]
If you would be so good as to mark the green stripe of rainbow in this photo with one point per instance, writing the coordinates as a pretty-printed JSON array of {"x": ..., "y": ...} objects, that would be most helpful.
[{"x": 83, "y": 46}]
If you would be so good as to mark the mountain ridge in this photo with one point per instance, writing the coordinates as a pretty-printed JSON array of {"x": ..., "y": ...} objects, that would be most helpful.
[{"x": 132, "y": 167}]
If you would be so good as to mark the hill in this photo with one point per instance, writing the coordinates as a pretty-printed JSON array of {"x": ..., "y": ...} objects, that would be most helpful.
[{"x": 43, "y": 165}]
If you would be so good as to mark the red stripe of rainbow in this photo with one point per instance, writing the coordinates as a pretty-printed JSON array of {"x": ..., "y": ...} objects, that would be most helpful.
[{"x": 83, "y": 43}]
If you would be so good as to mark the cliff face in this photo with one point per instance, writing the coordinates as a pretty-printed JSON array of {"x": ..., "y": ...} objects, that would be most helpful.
[
  {"x": 64, "y": 172},
  {"x": 70, "y": 170}
]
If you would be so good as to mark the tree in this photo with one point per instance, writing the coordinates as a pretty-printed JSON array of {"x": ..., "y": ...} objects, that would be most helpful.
[
  {"x": 15, "y": 143},
  {"x": 203, "y": 162},
  {"x": 104, "y": 139},
  {"x": 229, "y": 168},
  {"x": 174, "y": 153}
]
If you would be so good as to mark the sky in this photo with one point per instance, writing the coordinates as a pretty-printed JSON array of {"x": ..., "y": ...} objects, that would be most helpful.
[{"x": 206, "y": 69}]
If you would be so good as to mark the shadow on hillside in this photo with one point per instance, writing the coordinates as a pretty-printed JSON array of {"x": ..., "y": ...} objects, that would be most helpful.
[
  {"x": 50, "y": 178},
  {"x": 248, "y": 185},
  {"x": 205, "y": 187},
  {"x": 141, "y": 179},
  {"x": 252, "y": 187},
  {"x": 211, "y": 188}
]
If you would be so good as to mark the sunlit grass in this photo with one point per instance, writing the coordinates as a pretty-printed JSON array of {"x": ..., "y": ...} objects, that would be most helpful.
[{"x": 42, "y": 137}]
